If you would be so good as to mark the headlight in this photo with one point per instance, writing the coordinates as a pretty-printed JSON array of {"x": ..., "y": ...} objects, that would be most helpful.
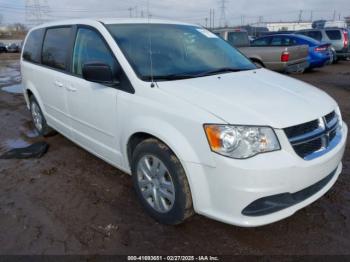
[{"x": 241, "y": 141}]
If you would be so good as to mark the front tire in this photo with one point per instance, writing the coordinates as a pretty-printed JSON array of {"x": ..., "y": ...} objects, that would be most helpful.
[
  {"x": 160, "y": 183},
  {"x": 38, "y": 118}
]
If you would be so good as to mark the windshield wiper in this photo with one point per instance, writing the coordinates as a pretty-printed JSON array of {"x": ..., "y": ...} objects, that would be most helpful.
[
  {"x": 220, "y": 70},
  {"x": 169, "y": 77},
  {"x": 193, "y": 75}
]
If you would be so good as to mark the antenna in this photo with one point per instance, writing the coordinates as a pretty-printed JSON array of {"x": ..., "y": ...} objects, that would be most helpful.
[{"x": 150, "y": 44}]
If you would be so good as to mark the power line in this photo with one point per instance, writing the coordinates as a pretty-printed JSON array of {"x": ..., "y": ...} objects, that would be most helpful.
[{"x": 37, "y": 11}]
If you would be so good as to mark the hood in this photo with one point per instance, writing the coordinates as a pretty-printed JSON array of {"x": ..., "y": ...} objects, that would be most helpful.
[{"x": 254, "y": 97}]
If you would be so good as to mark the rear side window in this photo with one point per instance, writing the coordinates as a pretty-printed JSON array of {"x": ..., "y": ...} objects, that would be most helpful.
[
  {"x": 333, "y": 34},
  {"x": 56, "y": 47},
  {"x": 282, "y": 41},
  {"x": 32, "y": 48},
  {"x": 313, "y": 34},
  {"x": 261, "y": 42}
]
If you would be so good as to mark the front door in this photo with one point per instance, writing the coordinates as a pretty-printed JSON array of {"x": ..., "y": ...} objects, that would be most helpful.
[{"x": 92, "y": 107}]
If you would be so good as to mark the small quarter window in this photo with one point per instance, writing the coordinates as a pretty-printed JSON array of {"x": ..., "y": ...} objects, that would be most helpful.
[{"x": 32, "y": 48}]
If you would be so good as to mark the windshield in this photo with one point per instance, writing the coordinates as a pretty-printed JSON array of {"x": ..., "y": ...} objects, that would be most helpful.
[{"x": 176, "y": 51}]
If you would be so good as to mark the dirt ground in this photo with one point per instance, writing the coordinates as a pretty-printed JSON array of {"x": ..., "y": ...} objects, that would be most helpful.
[{"x": 70, "y": 202}]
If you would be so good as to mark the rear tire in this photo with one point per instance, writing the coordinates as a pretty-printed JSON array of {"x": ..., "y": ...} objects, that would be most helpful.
[
  {"x": 160, "y": 183},
  {"x": 39, "y": 120}
]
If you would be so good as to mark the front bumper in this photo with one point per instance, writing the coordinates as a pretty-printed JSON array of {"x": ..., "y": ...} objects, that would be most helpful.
[
  {"x": 343, "y": 54},
  {"x": 223, "y": 192}
]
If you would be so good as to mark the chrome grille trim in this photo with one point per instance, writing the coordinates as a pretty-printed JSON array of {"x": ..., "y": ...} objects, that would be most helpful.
[
  {"x": 332, "y": 144},
  {"x": 319, "y": 131},
  {"x": 319, "y": 141}
]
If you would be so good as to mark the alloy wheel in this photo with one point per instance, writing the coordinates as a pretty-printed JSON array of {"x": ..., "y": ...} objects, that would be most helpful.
[{"x": 155, "y": 183}]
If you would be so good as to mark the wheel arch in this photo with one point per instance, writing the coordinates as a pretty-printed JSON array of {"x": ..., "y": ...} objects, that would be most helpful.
[
  {"x": 138, "y": 137},
  {"x": 29, "y": 91},
  {"x": 141, "y": 128},
  {"x": 257, "y": 60}
]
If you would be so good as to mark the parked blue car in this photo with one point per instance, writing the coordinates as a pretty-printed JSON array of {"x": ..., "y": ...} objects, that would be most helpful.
[{"x": 319, "y": 53}]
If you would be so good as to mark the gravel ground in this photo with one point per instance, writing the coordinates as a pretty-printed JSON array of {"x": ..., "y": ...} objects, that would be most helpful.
[{"x": 70, "y": 202}]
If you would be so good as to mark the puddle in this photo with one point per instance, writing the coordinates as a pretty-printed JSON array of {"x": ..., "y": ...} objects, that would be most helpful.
[
  {"x": 5, "y": 79},
  {"x": 10, "y": 74},
  {"x": 15, "y": 143},
  {"x": 26, "y": 137},
  {"x": 15, "y": 89},
  {"x": 31, "y": 134}
]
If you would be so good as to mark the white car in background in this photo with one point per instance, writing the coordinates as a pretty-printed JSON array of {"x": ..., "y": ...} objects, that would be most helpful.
[{"x": 196, "y": 124}]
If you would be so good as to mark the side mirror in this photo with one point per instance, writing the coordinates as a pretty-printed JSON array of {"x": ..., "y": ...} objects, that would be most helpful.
[{"x": 99, "y": 73}]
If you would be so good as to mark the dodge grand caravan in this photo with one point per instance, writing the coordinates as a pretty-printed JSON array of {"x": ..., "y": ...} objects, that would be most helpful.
[{"x": 198, "y": 127}]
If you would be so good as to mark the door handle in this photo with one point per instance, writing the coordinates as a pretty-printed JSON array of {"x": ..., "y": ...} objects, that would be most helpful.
[
  {"x": 71, "y": 89},
  {"x": 59, "y": 84}
]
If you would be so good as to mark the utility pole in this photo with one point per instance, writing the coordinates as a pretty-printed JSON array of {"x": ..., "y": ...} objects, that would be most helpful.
[
  {"x": 334, "y": 15},
  {"x": 312, "y": 16},
  {"x": 300, "y": 15},
  {"x": 206, "y": 22},
  {"x": 242, "y": 20},
  {"x": 210, "y": 18},
  {"x": 213, "y": 18},
  {"x": 130, "y": 11},
  {"x": 222, "y": 21},
  {"x": 260, "y": 20}
]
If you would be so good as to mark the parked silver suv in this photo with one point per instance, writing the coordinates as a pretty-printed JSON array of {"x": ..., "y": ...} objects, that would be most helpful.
[{"x": 338, "y": 37}]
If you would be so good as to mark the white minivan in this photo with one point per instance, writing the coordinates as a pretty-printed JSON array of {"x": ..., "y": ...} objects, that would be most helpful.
[{"x": 196, "y": 124}]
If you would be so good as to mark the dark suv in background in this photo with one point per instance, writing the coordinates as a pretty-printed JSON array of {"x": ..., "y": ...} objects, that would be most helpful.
[
  {"x": 338, "y": 37},
  {"x": 3, "y": 48}
]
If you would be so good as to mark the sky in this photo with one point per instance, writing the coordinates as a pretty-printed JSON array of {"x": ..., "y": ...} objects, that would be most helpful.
[{"x": 193, "y": 11}]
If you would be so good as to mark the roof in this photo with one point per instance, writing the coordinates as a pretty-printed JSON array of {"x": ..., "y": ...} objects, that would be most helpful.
[
  {"x": 229, "y": 30},
  {"x": 112, "y": 21}
]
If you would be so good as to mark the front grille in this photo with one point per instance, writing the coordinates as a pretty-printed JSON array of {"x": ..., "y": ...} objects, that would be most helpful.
[
  {"x": 332, "y": 134},
  {"x": 305, "y": 149},
  {"x": 310, "y": 139},
  {"x": 329, "y": 117},
  {"x": 298, "y": 130}
]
